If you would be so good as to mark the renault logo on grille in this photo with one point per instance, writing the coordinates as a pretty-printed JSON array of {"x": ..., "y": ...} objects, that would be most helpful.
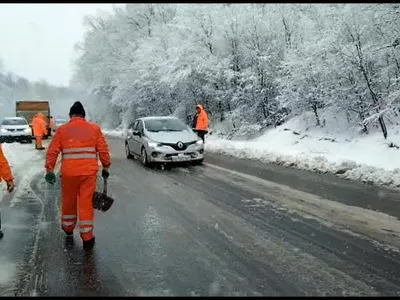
[{"x": 180, "y": 145}]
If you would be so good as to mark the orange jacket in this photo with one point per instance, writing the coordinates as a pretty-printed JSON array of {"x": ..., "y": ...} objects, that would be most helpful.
[
  {"x": 202, "y": 119},
  {"x": 39, "y": 125},
  {"x": 79, "y": 142},
  {"x": 5, "y": 171}
]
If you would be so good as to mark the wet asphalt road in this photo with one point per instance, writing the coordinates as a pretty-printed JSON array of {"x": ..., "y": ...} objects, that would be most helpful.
[{"x": 207, "y": 231}]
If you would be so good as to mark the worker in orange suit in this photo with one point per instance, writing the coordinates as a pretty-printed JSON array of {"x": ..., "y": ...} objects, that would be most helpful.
[
  {"x": 51, "y": 126},
  {"x": 200, "y": 122},
  {"x": 39, "y": 130},
  {"x": 79, "y": 143},
  {"x": 5, "y": 174}
]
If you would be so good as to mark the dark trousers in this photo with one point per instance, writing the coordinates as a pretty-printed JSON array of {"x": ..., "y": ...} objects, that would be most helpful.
[{"x": 201, "y": 134}]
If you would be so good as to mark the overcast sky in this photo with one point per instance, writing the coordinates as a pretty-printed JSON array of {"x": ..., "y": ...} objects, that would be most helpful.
[{"x": 37, "y": 40}]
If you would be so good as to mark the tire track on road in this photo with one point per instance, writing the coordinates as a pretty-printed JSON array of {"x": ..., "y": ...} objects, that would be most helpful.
[{"x": 354, "y": 256}]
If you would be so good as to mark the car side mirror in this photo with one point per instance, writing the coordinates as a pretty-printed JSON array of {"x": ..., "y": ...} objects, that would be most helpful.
[{"x": 137, "y": 133}]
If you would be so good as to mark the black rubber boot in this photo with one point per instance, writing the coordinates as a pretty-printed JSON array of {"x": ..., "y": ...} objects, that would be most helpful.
[
  {"x": 88, "y": 245},
  {"x": 67, "y": 232},
  {"x": 69, "y": 242}
]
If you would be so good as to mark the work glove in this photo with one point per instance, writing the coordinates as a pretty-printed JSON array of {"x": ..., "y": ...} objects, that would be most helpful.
[
  {"x": 105, "y": 173},
  {"x": 10, "y": 186},
  {"x": 50, "y": 177}
]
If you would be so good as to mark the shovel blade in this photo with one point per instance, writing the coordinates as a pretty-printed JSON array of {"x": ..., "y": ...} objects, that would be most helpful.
[{"x": 102, "y": 201}]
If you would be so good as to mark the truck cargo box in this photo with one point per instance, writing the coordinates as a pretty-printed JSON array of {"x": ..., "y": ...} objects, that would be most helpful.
[{"x": 28, "y": 108}]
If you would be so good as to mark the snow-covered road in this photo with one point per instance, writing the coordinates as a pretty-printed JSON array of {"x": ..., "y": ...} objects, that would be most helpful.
[
  {"x": 20, "y": 214},
  {"x": 367, "y": 159},
  {"x": 230, "y": 227}
]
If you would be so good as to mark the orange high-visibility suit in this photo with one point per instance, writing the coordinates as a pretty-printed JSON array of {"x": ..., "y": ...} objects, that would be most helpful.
[
  {"x": 201, "y": 122},
  {"x": 5, "y": 174},
  {"x": 202, "y": 119},
  {"x": 79, "y": 142},
  {"x": 5, "y": 171},
  {"x": 39, "y": 129}
]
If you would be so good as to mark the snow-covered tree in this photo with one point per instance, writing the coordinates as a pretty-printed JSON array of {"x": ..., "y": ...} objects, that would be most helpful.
[{"x": 245, "y": 63}]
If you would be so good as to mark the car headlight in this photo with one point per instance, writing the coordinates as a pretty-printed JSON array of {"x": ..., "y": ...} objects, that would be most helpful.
[
  {"x": 28, "y": 131},
  {"x": 199, "y": 142},
  {"x": 2, "y": 130},
  {"x": 154, "y": 145}
]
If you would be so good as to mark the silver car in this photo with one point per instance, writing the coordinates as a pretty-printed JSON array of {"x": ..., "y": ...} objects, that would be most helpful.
[{"x": 163, "y": 140}]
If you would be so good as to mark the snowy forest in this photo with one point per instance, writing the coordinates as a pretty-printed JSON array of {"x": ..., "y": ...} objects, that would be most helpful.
[
  {"x": 14, "y": 88},
  {"x": 255, "y": 65}
]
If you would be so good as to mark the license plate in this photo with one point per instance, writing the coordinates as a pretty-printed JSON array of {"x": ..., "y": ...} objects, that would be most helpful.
[
  {"x": 13, "y": 133},
  {"x": 181, "y": 157}
]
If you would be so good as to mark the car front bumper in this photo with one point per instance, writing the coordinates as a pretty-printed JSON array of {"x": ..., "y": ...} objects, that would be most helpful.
[
  {"x": 15, "y": 138},
  {"x": 166, "y": 154}
]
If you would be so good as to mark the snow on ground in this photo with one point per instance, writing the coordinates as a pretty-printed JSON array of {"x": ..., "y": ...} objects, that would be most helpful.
[
  {"x": 333, "y": 148},
  {"x": 115, "y": 133},
  {"x": 25, "y": 162},
  {"x": 7, "y": 270},
  {"x": 21, "y": 158}
]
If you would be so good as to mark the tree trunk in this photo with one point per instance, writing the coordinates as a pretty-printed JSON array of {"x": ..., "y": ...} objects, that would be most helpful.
[
  {"x": 315, "y": 110},
  {"x": 368, "y": 82},
  {"x": 383, "y": 126}
]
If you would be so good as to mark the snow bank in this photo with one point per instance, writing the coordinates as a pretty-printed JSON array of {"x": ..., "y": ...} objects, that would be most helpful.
[
  {"x": 331, "y": 149},
  {"x": 115, "y": 133}
]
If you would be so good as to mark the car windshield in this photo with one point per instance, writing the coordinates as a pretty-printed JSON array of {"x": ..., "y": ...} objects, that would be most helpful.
[
  {"x": 14, "y": 122},
  {"x": 155, "y": 125}
]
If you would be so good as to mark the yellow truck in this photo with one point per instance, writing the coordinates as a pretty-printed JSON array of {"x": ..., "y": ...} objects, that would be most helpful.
[{"x": 27, "y": 109}]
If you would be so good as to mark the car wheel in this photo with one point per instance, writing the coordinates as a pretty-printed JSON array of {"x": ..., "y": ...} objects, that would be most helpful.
[
  {"x": 128, "y": 152},
  {"x": 29, "y": 141},
  {"x": 198, "y": 162},
  {"x": 143, "y": 157}
]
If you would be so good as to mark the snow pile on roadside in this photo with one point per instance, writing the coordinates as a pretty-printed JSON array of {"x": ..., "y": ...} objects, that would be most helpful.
[
  {"x": 20, "y": 158},
  {"x": 332, "y": 149},
  {"x": 115, "y": 133},
  {"x": 347, "y": 154}
]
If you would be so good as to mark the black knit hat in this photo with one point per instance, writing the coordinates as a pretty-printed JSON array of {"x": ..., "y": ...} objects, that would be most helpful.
[{"x": 77, "y": 109}]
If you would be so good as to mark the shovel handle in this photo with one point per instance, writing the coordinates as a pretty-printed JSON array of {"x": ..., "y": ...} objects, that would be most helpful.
[{"x": 105, "y": 186}]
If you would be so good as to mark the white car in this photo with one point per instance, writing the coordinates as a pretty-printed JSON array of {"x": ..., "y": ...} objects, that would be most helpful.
[
  {"x": 15, "y": 129},
  {"x": 163, "y": 140}
]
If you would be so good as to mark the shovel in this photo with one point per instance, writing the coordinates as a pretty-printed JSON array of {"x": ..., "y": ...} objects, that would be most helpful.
[{"x": 102, "y": 201}]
